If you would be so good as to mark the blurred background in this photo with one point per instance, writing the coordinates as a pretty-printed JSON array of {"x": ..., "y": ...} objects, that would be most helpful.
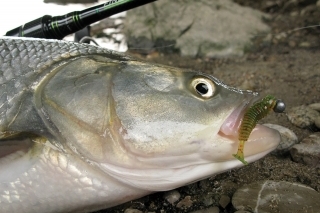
[{"x": 213, "y": 29}]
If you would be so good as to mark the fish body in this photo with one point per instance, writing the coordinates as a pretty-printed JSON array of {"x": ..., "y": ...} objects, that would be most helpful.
[{"x": 83, "y": 128}]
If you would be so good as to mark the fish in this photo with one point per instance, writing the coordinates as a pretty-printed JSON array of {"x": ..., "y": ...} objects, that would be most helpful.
[{"x": 84, "y": 128}]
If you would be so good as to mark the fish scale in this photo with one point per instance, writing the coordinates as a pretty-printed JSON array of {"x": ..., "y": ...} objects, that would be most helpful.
[{"x": 23, "y": 63}]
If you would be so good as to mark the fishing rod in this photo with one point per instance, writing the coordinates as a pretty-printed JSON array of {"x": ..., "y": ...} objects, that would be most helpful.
[{"x": 57, "y": 27}]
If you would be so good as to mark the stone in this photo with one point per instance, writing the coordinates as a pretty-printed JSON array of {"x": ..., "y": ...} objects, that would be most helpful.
[
  {"x": 132, "y": 211},
  {"x": 317, "y": 122},
  {"x": 288, "y": 138},
  {"x": 276, "y": 196},
  {"x": 302, "y": 116},
  {"x": 315, "y": 106},
  {"x": 172, "y": 196},
  {"x": 307, "y": 151},
  {"x": 224, "y": 201},
  {"x": 219, "y": 28},
  {"x": 185, "y": 203}
]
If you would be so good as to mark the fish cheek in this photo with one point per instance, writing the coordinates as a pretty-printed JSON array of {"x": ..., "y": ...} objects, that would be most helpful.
[
  {"x": 78, "y": 105},
  {"x": 159, "y": 124}
]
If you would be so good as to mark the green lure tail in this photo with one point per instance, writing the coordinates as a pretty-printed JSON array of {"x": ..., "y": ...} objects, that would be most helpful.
[
  {"x": 240, "y": 155},
  {"x": 251, "y": 117}
]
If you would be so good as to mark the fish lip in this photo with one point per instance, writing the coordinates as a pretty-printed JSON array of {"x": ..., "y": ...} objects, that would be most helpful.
[{"x": 233, "y": 121}]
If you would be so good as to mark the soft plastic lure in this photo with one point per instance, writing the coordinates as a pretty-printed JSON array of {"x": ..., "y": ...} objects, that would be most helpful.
[{"x": 255, "y": 113}]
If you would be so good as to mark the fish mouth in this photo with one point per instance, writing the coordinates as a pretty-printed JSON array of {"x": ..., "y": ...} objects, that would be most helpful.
[
  {"x": 261, "y": 140},
  {"x": 230, "y": 127}
]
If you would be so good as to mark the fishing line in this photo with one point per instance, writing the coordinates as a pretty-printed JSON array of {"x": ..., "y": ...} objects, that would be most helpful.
[{"x": 88, "y": 38}]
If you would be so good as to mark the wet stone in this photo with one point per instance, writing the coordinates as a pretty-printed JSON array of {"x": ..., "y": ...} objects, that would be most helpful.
[
  {"x": 185, "y": 203},
  {"x": 132, "y": 211},
  {"x": 213, "y": 209},
  {"x": 288, "y": 138},
  {"x": 307, "y": 151},
  {"x": 272, "y": 196},
  {"x": 224, "y": 201},
  {"x": 302, "y": 116},
  {"x": 172, "y": 196}
]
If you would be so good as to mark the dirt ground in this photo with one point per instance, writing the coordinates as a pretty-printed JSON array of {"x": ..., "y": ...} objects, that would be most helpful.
[{"x": 287, "y": 65}]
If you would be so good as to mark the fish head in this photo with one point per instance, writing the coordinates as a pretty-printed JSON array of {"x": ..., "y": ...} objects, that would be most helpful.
[{"x": 150, "y": 126}]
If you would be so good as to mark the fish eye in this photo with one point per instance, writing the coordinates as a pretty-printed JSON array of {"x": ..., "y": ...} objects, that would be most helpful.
[{"x": 203, "y": 87}]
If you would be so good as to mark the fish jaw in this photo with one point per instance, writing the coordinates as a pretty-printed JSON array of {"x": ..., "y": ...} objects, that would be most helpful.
[
  {"x": 261, "y": 138},
  {"x": 190, "y": 168},
  {"x": 261, "y": 141},
  {"x": 212, "y": 154}
]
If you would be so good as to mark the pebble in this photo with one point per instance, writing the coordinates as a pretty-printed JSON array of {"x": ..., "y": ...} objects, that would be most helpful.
[
  {"x": 294, "y": 13},
  {"x": 288, "y": 138},
  {"x": 185, "y": 203},
  {"x": 224, "y": 201},
  {"x": 172, "y": 196},
  {"x": 305, "y": 44},
  {"x": 302, "y": 116},
  {"x": 276, "y": 196},
  {"x": 315, "y": 106},
  {"x": 307, "y": 151},
  {"x": 132, "y": 211},
  {"x": 213, "y": 209}
]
